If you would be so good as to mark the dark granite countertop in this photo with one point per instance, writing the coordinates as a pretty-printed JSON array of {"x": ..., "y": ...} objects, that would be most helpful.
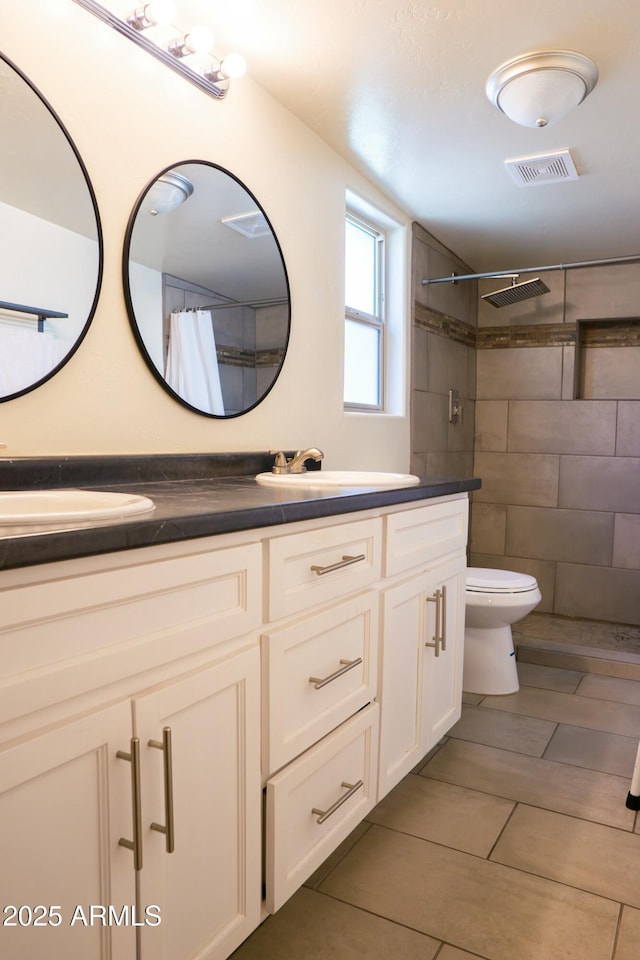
[{"x": 194, "y": 496}]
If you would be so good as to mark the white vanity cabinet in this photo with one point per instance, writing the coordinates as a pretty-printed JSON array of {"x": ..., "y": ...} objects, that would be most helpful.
[
  {"x": 423, "y": 634},
  {"x": 320, "y": 722},
  {"x": 156, "y": 662},
  {"x": 229, "y": 709}
]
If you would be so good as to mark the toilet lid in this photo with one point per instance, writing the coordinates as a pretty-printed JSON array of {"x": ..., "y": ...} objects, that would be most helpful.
[{"x": 488, "y": 580}]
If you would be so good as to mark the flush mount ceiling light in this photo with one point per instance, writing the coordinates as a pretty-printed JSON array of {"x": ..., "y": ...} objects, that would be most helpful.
[
  {"x": 167, "y": 193},
  {"x": 539, "y": 88},
  {"x": 187, "y": 52}
]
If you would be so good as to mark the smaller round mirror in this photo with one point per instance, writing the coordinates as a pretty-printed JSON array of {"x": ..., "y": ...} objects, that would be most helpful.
[{"x": 206, "y": 289}]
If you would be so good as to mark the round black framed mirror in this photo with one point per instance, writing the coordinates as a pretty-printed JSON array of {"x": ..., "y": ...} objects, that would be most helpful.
[
  {"x": 50, "y": 239},
  {"x": 207, "y": 289}
]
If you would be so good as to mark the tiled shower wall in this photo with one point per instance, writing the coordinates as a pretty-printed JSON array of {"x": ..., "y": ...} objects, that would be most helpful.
[
  {"x": 560, "y": 495},
  {"x": 443, "y": 352}
]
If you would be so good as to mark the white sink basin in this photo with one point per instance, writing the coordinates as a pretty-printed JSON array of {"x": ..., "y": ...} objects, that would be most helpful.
[
  {"x": 339, "y": 478},
  {"x": 68, "y": 506}
]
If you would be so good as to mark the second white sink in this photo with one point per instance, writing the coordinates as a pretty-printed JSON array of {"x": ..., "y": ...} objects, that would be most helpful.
[
  {"x": 68, "y": 506},
  {"x": 339, "y": 478}
]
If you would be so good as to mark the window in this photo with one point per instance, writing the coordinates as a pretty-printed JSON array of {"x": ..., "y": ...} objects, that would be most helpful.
[{"x": 364, "y": 337}]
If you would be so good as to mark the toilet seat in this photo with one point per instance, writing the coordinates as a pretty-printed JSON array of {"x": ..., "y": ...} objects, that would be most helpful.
[{"x": 487, "y": 580}]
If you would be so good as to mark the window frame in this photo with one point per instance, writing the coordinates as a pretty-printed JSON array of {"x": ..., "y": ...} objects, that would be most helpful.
[{"x": 375, "y": 321}]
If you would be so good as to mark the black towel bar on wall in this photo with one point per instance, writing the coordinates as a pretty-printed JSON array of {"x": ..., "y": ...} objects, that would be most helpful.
[{"x": 38, "y": 312}]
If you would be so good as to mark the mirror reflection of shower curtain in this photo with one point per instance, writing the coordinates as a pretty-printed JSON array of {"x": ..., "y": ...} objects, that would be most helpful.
[
  {"x": 192, "y": 363},
  {"x": 26, "y": 356}
]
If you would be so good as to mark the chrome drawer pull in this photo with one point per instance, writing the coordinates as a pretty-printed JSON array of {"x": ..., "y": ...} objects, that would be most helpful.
[
  {"x": 167, "y": 829},
  {"x": 136, "y": 844},
  {"x": 345, "y": 562},
  {"x": 319, "y": 682},
  {"x": 325, "y": 814}
]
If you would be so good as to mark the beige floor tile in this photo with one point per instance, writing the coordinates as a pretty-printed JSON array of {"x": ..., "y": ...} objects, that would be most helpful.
[
  {"x": 473, "y": 904},
  {"x": 549, "y": 678},
  {"x": 589, "y": 856},
  {"x": 311, "y": 926},
  {"x": 621, "y": 718},
  {"x": 473, "y": 698},
  {"x": 541, "y": 783},
  {"x": 454, "y": 816},
  {"x": 507, "y": 730},
  {"x": 628, "y": 947},
  {"x": 452, "y": 953},
  {"x": 606, "y": 752},
  {"x": 610, "y": 688},
  {"x": 334, "y": 858}
]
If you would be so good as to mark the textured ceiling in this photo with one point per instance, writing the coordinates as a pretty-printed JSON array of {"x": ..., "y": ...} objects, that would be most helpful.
[{"x": 397, "y": 87}]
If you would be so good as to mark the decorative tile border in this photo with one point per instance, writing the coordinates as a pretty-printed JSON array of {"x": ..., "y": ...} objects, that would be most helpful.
[
  {"x": 527, "y": 335},
  {"x": 622, "y": 332},
  {"x": 444, "y": 326},
  {"x": 610, "y": 333},
  {"x": 240, "y": 357}
]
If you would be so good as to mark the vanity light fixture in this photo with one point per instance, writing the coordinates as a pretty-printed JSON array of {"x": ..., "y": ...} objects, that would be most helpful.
[
  {"x": 539, "y": 88},
  {"x": 188, "y": 52}
]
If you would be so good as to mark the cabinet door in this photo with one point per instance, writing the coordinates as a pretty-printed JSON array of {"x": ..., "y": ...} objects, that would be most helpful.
[
  {"x": 65, "y": 801},
  {"x": 404, "y": 628},
  {"x": 209, "y": 888},
  {"x": 421, "y": 688},
  {"x": 443, "y": 651}
]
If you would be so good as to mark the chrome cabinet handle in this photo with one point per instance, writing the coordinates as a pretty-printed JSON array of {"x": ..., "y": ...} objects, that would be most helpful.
[
  {"x": 436, "y": 598},
  {"x": 168, "y": 827},
  {"x": 443, "y": 618},
  {"x": 325, "y": 814},
  {"x": 345, "y": 562},
  {"x": 319, "y": 682},
  {"x": 136, "y": 844}
]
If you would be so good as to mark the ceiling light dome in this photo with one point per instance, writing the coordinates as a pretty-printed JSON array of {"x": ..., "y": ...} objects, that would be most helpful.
[
  {"x": 537, "y": 89},
  {"x": 167, "y": 193}
]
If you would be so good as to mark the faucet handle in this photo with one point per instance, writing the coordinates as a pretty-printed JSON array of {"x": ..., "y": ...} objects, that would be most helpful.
[{"x": 280, "y": 462}]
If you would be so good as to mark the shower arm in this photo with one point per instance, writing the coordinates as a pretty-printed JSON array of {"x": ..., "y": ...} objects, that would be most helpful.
[{"x": 493, "y": 275}]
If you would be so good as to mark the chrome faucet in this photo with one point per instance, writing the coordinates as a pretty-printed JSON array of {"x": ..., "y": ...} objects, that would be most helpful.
[{"x": 296, "y": 464}]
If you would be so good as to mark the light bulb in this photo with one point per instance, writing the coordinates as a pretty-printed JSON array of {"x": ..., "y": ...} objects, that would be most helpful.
[
  {"x": 233, "y": 66},
  {"x": 156, "y": 13},
  {"x": 198, "y": 40}
]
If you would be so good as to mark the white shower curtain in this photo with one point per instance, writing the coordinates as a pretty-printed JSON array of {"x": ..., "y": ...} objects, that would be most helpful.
[
  {"x": 26, "y": 356},
  {"x": 192, "y": 365}
]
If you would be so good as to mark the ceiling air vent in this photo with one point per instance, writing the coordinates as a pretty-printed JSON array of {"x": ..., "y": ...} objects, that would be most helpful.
[
  {"x": 251, "y": 225},
  {"x": 544, "y": 168}
]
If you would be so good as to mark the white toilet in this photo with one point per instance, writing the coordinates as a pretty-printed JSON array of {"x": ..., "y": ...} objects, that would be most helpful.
[{"x": 494, "y": 599}]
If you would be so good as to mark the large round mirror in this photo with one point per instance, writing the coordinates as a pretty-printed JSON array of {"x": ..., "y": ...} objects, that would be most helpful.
[
  {"x": 207, "y": 289},
  {"x": 50, "y": 239}
]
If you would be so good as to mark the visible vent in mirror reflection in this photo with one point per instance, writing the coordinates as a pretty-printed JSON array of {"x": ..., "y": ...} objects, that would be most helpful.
[{"x": 251, "y": 225}]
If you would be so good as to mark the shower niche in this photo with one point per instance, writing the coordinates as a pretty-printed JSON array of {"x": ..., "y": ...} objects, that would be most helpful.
[{"x": 607, "y": 359}]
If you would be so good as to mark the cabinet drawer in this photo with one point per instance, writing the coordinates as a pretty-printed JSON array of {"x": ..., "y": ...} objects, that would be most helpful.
[
  {"x": 317, "y": 672},
  {"x": 420, "y": 537},
  {"x": 310, "y": 790},
  {"x": 317, "y": 566},
  {"x": 62, "y": 637}
]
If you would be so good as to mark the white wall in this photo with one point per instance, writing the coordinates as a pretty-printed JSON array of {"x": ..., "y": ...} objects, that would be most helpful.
[{"x": 130, "y": 116}]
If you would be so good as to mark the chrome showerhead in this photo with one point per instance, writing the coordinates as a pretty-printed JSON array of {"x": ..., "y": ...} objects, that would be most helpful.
[{"x": 516, "y": 292}]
